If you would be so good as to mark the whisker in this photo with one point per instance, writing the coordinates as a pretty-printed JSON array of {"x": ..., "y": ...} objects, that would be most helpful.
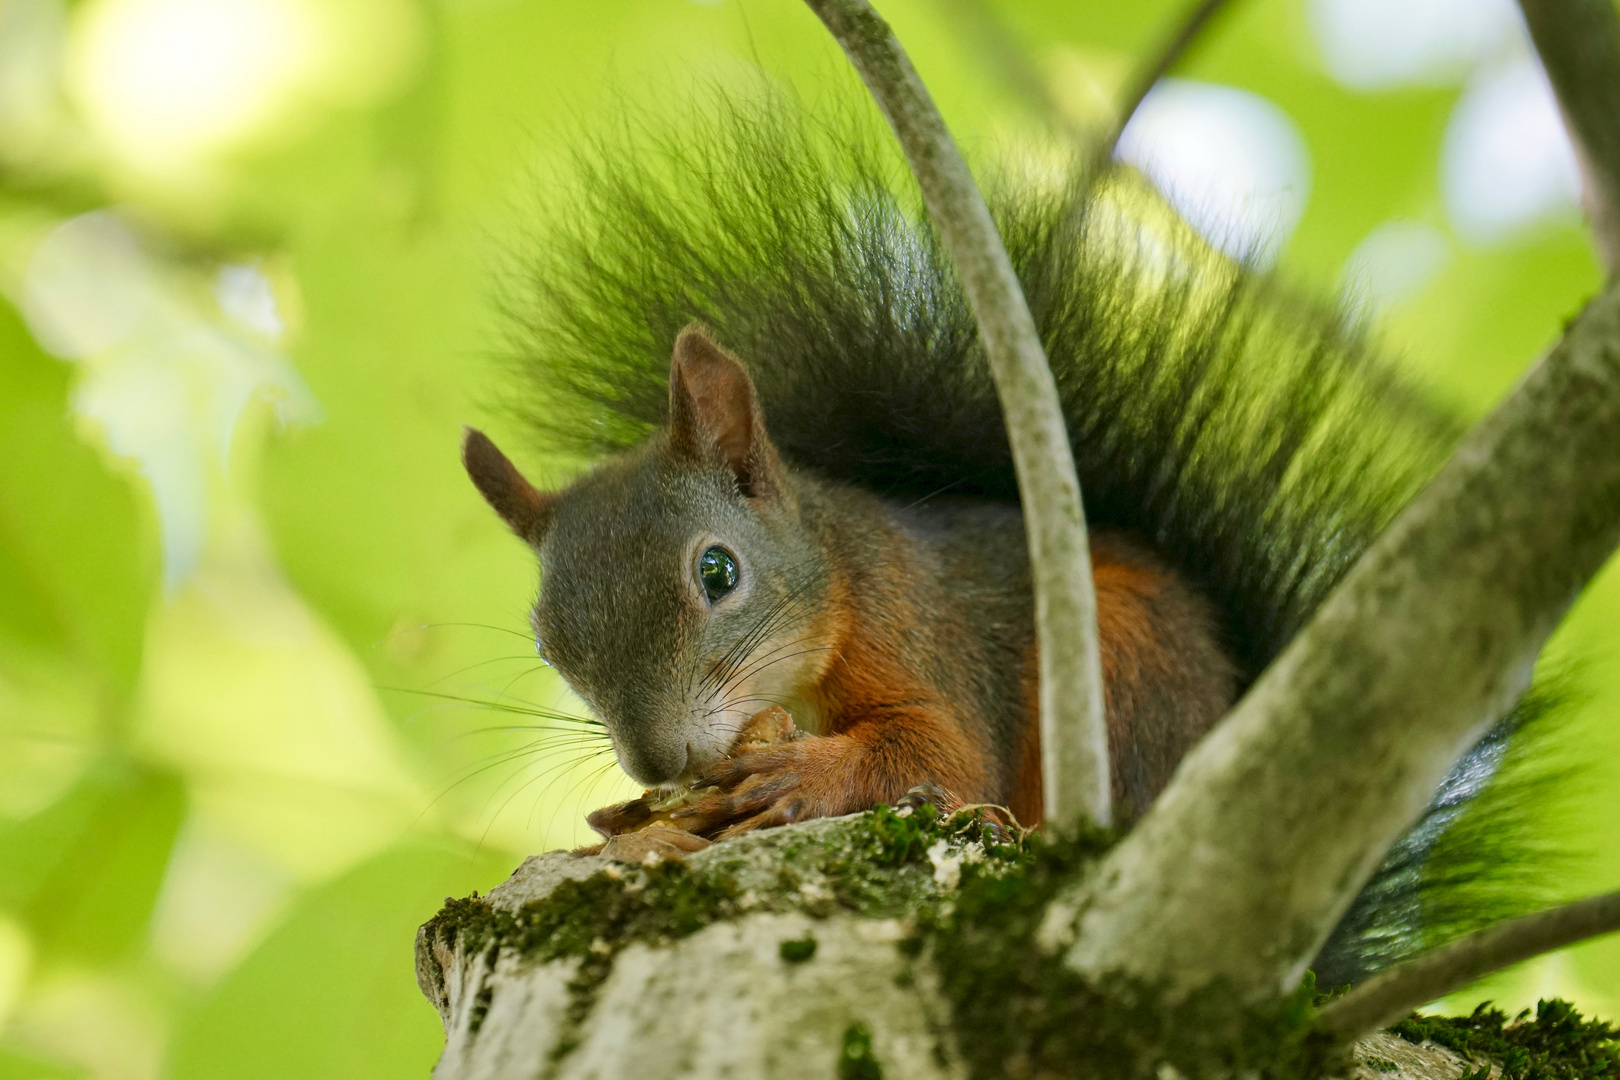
[
  {"x": 476, "y": 769},
  {"x": 503, "y": 757},
  {"x": 589, "y": 736},
  {"x": 494, "y": 817},
  {"x": 520, "y": 676},
  {"x": 760, "y": 665},
  {"x": 764, "y": 661},
  {"x": 768, "y": 699},
  {"x": 589, "y": 782},
  {"x": 741, "y": 647},
  {"x": 499, "y": 706},
  {"x": 539, "y": 748},
  {"x": 552, "y": 770},
  {"x": 547, "y": 774},
  {"x": 777, "y": 616},
  {"x": 780, "y": 609},
  {"x": 481, "y": 663},
  {"x": 465, "y": 625},
  {"x": 931, "y": 495}
]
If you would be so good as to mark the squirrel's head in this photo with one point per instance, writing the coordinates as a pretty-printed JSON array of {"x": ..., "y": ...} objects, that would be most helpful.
[{"x": 680, "y": 593}]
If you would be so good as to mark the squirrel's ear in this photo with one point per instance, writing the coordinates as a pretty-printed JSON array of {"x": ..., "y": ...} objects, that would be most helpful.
[
  {"x": 713, "y": 412},
  {"x": 524, "y": 509}
]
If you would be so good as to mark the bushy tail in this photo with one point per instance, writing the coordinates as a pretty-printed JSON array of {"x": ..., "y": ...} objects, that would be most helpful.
[
  {"x": 1479, "y": 854},
  {"x": 1250, "y": 436}
]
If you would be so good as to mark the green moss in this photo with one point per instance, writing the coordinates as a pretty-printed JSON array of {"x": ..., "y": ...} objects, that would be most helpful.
[
  {"x": 855, "y": 1058},
  {"x": 885, "y": 871},
  {"x": 480, "y": 1007},
  {"x": 1027, "y": 1014},
  {"x": 606, "y": 911},
  {"x": 798, "y": 950},
  {"x": 593, "y": 972},
  {"x": 881, "y": 870},
  {"x": 1557, "y": 1044}
]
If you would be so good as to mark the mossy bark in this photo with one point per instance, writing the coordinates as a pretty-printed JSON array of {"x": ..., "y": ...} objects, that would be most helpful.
[{"x": 829, "y": 949}]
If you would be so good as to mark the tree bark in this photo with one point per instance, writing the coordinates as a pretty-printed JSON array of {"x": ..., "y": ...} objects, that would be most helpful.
[
  {"x": 723, "y": 1001},
  {"x": 1579, "y": 45}
]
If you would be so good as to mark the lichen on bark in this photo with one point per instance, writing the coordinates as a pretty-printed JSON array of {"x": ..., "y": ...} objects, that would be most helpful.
[{"x": 926, "y": 940}]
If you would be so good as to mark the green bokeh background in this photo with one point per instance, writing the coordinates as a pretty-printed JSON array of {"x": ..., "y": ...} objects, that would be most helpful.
[{"x": 227, "y": 797}]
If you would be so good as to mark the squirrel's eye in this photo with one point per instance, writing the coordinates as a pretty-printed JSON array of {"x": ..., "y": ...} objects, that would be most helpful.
[{"x": 717, "y": 571}]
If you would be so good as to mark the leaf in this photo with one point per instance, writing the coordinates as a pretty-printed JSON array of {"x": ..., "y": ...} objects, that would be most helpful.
[
  {"x": 78, "y": 555},
  {"x": 332, "y": 993},
  {"x": 85, "y": 873},
  {"x": 18, "y": 1066}
]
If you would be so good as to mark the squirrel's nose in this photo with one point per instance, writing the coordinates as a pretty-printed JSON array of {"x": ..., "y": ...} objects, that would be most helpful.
[{"x": 650, "y": 758}]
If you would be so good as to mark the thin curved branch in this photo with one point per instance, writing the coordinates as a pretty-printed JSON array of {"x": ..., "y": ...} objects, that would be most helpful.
[
  {"x": 1074, "y": 742},
  {"x": 1158, "y": 64},
  {"x": 1387, "y": 997},
  {"x": 1579, "y": 44},
  {"x": 1161, "y": 62},
  {"x": 1003, "y": 51},
  {"x": 1275, "y": 820},
  {"x": 981, "y": 29}
]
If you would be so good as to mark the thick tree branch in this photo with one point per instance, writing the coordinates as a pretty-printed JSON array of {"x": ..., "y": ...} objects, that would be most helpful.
[
  {"x": 1074, "y": 742},
  {"x": 1389, "y": 996},
  {"x": 732, "y": 996},
  {"x": 1272, "y": 824},
  {"x": 1579, "y": 43}
]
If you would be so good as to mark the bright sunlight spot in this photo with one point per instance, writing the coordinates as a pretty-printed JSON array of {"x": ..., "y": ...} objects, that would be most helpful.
[
  {"x": 1230, "y": 161},
  {"x": 165, "y": 81}
]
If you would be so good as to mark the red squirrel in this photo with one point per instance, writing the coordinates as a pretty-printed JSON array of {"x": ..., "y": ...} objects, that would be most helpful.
[
  {"x": 700, "y": 579},
  {"x": 804, "y": 495}
]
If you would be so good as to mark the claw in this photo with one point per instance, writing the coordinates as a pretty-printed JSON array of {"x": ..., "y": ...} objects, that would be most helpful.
[{"x": 930, "y": 795}]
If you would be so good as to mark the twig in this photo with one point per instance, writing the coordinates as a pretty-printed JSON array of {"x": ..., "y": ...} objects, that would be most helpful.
[
  {"x": 1271, "y": 825},
  {"x": 1013, "y": 64},
  {"x": 1387, "y": 997},
  {"x": 1579, "y": 43},
  {"x": 1074, "y": 741},
  {"x": 1162, "y": 61},
  {"x": 983, "y": 30}
]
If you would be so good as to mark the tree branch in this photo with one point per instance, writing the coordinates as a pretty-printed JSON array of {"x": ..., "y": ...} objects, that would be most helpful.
[
  {"x": 1074, "y": 741},
  {"x": 1579, "y": 43},
  {"x": 517, "y": 1004},
  {"x": 1012, "y": 63},
  {"x": 1162, "y": 61},
  {"x": 1387, "y": 997},
  {"x": 1272, "y": 824},
  {"x": 981, "y": 29}
]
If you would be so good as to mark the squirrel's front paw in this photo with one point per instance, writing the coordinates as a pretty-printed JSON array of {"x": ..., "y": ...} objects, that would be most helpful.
[{"x": 776, "y": 785}]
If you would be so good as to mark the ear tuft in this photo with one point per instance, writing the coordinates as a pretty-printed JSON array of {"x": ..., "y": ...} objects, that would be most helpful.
[
  {"x": 525, "y": 510},
  {"x": 714, "y": 413}
]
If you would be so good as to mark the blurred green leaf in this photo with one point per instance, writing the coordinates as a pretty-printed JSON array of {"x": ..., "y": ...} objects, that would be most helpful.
[
  {"x": 15, "y": 1066},
  {"x": 77, "y": 554},
  {"x": 85, "y": 873},
  {"x": 1492, "y": 312},
  {"x": 34, "y": 849},
  {"x": 332, "y": 993}
]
